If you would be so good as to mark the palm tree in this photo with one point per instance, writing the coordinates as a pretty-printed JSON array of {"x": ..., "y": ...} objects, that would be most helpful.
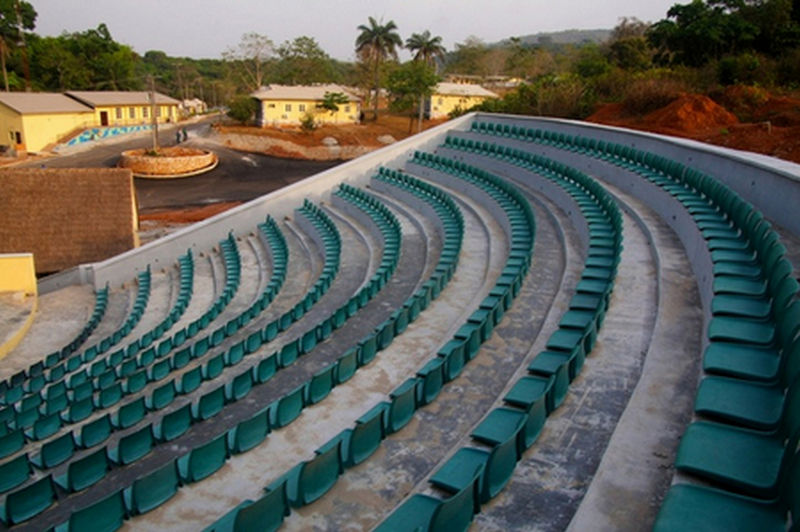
[
  {"x": 375, "y": 43},
  {"x": 427, "y": 49}
]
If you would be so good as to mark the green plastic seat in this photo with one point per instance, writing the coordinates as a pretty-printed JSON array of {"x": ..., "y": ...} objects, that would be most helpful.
[
  {"x": 310, "y": 480},
  {"x": 265, "y": 369},
  {"x": 210, "y": 404},
  {"x": 239, "y": 386},
  {"x": 204, "y": 460},
  {"x": 14, "y": 472},
  {"x": 28, "y": 502},
  {"x": 11, "y": 442},
  {"x": 45, "y": 426},
  {"x": 432, "y": 379},
  {"x": 54, "y": 452},
  {"x": 84, "y": 472},
  {"x": 424, "y": 512},
  {"x": 501, "y": 424},
  {"x": 161, "y": 396},
  {"x": 94, "y": 432},
  {"x": 107, "y": 514},
  {"x": 365, "y": 438},
  {"x": 132, "y": 446},
  {"x": 741, "y": 460},
  {"x": 266, "y": 514},
  {"x": 402, "y": 406},
  {"x": 454, "y": 358},
  {"x": 129, "y": 414},
  {"x": 727, "y": 329},
  {"x": 189, "y": 381},
  {"x": 498, "y": 466},
  {"x": 320, "y": 385},
  {"x": 152, "y": 490},
  {"x": 287, "y": 408},
  {"x": 174, "y": 424},
  {"x": 555, "y": 367},
  {"x": 250, "y": 432}
]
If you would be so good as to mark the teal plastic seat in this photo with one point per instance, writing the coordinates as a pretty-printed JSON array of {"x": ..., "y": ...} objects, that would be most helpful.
[
  {"x": 402, "y": 406},
  {"x": 249, "y": 433},
  {"x": 503, "y": 423},
  {"x": 360, "y": 442},
  {"x": 239, "y": 386},
  {"x": 173, "y": 424},
  {"x": 14, "y": 472},
  {"x": 320, "y": 385},
  {"x": 203, "y": 461},
  {"x": 432, "y": 379},
  {"x": 265, "y": 369},
  {"x": 45, "y": 426},
  {"x": 129, "y": 414},
  {"x": 152, "y": 490},
  {"x": 266, "y": 514},
  {"x": 189, "y": 381},
  {"x": 558, "y": 368},
  {"x": 28, "y": 502},
  {"x": 498, "y": 466},
  {"x": 453, "y": 354},
  {"x": 346, "y": 365},
  {"x": 133, "y": 446},
  {"x": 287, "y": 408},
  {"x": 84, "y": 472},
  {"x": 94, "y": 432},
  {"x": 310, "y": 480},
  {"x": 424, "y": 512},
  {"x": 161, "y": 396},
  {"x": 11, "y": 442},
  {"x": 690, "y": 507},
  {"x": 107, "y": 514},
  {"x": 210, "y": 404},
  {"x": 529, "y": 391},
  {"x": 54, "y": 452}
]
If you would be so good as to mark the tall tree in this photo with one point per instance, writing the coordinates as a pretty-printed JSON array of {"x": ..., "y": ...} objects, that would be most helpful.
[
  {"x": 426, "y": 49},
  {"x": 411, "y": 83},
  {"x": 250, "y": 58},
  {"x": 15, "y": 16},
  {"x": 302, "y": 62},
  {"x": 375, "y": 43}
]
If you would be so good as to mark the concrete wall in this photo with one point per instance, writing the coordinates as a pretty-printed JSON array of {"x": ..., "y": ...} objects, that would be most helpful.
[
  {"x": 442, "y": 104},
  {"x": 141, "y": 114}
]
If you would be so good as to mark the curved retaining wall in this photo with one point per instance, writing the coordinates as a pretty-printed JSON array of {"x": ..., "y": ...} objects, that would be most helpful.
[{"x": 184, "y": 161}]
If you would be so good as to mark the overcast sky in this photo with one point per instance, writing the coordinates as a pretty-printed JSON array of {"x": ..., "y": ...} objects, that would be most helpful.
[{"x": 205, "y": 28}]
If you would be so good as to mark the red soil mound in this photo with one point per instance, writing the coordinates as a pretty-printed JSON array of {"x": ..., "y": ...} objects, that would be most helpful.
[
  {"x": 188, "y": 214},
  {"x": 691, "y": 113}
]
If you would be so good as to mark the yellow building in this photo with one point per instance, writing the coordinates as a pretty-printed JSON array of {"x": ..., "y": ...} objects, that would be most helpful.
[
  {"x": 290, "y": 104},
  {"x": 29, "y": 121},
  {"x": 450, "y": 96},
  {"x": 126, "y": 108}
]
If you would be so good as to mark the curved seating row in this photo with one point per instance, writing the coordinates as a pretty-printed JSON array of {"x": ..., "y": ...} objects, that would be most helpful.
[
  {"x": 311, "y": 479},
  {"x": 49, "y": 392},
  {"x": 61, "y": 449},
  {"x": 196, "y": 465},
  {"x": 36, "y": 369},
  {"x": 475, "y": 474},
  {"x": 91, "y": 468},
  {"x": 747, "y": 449}
]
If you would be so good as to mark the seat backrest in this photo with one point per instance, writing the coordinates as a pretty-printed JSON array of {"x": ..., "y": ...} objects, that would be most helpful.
[
  {"x": 320, "y": 473},
  {"x": 31, "y": 500},
  {"x": 153, "y": 489},
  {"x": 175, "y": 423},
  {"x": 58, "y": 450},
  {"x": 402, "y": 406},
  {"x": 95, "y": 432},
  {"x": 250, "y": 432},
  {"x": 455, "y": 514},
  {"x": 204, "y": 460},
  {"x": 265, "y": 514},
  {"x": 108, "y": 513},
  {"x": 14, "y": 472},
  {"x": 84, "y": 472},
  {"x": 287, "y": 408}
]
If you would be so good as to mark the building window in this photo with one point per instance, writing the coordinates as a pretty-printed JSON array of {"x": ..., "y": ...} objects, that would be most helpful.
[
  {"x": 346, "y": 108},
  {"x": 288, "y": 108},
  {"x": 301, "y": 107},
  {"x": 271, "y": 106},
  {"x": 131, "y": 112},
  {"x": 158, "y": 111},
  {"x": 441, "y": 101},
  {"x": 145, "y": 112},
  {"x": 118, "y": 113},
  {"x": 171, "y": 111}
]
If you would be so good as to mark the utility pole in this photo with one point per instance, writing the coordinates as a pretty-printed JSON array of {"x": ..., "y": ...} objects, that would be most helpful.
[{"x": 153, "y": 119}]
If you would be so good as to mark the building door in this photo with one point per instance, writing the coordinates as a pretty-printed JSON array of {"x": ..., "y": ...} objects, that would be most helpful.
[{"x": 103, "y": 118}]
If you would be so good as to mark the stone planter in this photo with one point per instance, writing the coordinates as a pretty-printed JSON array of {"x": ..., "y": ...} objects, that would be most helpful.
[{"x": 172, "y": 161}]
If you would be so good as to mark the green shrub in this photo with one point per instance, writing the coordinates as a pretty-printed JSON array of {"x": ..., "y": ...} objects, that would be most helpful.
[
  {"x": 647, "y": 94},
  {"x": 242, "y": 109}
]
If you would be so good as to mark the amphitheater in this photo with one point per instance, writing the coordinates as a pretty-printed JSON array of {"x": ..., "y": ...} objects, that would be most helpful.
[{"x": 503, "y": 323}]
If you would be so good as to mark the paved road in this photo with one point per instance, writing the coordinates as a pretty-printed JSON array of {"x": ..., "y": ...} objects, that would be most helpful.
[{"x": 239, "y": 176}]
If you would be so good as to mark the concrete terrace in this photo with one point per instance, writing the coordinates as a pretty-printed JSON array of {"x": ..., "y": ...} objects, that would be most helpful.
[{"x": 354, "y": 342}]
